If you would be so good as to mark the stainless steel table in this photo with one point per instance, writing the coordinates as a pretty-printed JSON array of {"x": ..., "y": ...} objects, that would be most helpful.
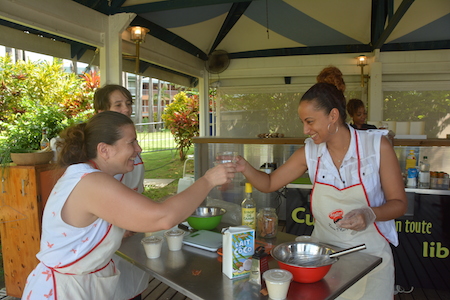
[{"x": 180, "y": 270}]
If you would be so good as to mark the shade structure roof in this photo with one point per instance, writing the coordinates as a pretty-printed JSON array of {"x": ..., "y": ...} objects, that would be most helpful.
[
  {"x": 257, "y": 35},
  {"x": 266, "y": 28}
]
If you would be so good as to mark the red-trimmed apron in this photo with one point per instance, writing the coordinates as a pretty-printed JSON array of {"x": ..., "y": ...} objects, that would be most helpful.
[
  {"x": 328, "y": 205},
  {"x": 73, "y": 282}
]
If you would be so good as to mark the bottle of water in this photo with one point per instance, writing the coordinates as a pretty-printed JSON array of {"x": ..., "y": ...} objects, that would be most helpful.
[{"x": 424, "y": 174}]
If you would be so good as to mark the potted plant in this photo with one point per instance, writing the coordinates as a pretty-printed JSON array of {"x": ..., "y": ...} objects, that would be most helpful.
[
  {"x": 36, "y": 96},
  {"x": 24, "y": 135}
]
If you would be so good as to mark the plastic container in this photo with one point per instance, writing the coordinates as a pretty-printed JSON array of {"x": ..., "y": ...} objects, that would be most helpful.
[
  {"x": 277, "y": 283},
  {"x": 424, "y": 174},
  {"x": 174, "y": 239},
  {"x": 152, "y": 245},
  {"x": 411, "y": 161},
  {"x": 411, "y": 180}
]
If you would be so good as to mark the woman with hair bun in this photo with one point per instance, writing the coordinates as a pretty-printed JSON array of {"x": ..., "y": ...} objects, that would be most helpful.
[
  {"x": 332, "y": 75},
  {"x": 88, "y": 210},
  {"x": 357, "y": 191}
]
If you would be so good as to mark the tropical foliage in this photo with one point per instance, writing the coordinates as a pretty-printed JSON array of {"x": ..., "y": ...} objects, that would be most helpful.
[
  {"x": 39, "y": 95},
  {"x": 181, "y": 118},
  {"x": 431, "y": 107},
  {"x": 252, "y": 114}
]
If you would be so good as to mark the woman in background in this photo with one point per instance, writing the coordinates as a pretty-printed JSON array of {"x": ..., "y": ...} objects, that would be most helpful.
[
  {"x": 357, "y": 111},
  {"x": 114, "y": 97}
]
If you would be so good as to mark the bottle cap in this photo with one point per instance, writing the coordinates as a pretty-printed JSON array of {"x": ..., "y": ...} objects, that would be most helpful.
[{"x": 248, "y": 187}]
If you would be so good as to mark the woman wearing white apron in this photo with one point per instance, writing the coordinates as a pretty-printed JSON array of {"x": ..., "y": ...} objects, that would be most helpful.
[
  {"x": 358, "y": 188},
  {"x": 83, "y": 217}
]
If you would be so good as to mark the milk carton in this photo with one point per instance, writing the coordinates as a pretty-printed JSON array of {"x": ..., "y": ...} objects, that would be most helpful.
[{"x": 238, "y": 248}]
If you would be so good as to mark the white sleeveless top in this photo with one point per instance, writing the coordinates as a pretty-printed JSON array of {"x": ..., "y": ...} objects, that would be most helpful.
[
  {"x": 369, "y": 147},
  {"x": 77, "y": 252}
]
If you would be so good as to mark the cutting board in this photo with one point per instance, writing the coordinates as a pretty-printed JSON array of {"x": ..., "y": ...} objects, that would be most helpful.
[{"x": 204, "y": 239}]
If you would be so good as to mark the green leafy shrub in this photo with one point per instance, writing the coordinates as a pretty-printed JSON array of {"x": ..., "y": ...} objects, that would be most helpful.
[
  {"x": 36, "y": 96},
  {"x": 181, "y": 118}
]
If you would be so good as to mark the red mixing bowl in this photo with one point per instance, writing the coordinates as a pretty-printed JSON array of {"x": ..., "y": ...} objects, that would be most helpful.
[{"x": 307, "y": 261}]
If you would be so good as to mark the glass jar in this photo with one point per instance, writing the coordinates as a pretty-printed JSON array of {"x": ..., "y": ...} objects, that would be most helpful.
[{"x": 267, "y": 222}]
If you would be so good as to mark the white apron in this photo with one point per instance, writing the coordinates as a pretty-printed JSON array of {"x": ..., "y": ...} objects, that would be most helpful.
[
  {"x": 69, "y": 283},
  {"x": 328, "y": 205}
]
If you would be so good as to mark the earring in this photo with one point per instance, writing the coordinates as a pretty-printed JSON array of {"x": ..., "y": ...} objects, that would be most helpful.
[{"x": 337, "y": 129}]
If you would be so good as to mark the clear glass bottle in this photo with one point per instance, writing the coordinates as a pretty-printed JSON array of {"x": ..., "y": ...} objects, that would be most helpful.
[
  {"x": 45, "y": 142},
  {"x": 248, "y": 206},
  {"x": 424, "y": 174},
  {"x": 267, "y": 222}
]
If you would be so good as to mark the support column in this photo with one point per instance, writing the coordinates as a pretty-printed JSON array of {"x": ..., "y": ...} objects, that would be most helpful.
[
  {"x": 375, "y": 100},
  {"x": 203, "y": 98},
  {"x": 111, "y": 53}
]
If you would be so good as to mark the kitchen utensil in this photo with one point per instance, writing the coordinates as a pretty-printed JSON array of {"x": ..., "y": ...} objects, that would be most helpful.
[
  {"x": 308, "y": 262},
  {"x": 206, "y": 217},
  {"x": 260, "y": 264},
  {"x": 312, "y": 260}
]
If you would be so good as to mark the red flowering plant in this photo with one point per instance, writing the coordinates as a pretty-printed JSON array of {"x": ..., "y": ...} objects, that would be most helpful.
[
  {"x": 81, "y": 101},
  {"x": 181, "y": 118}
]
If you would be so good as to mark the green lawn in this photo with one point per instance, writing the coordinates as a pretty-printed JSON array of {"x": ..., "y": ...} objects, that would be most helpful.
[
  {"x": 154, "y": 141},
  {"x": 165, "y": 165}
]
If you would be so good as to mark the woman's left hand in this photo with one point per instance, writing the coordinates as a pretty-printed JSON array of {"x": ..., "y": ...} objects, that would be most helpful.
[{"x": 358, "y": 219}]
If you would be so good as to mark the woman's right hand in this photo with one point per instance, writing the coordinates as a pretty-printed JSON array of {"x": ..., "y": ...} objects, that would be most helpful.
[
  {"x": 241, "y": 164},
  {"x": 221, "y": 174}
]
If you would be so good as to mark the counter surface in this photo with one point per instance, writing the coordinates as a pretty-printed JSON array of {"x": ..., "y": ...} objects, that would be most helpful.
[
  {"x": 301, "y": 141},
  {"x": 408, "y": 190},
  {"x": 197, "y": 273}
]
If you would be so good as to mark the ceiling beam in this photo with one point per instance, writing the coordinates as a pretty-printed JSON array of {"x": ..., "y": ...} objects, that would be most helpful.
[
  {"x": 235, "y": 13},
  {"x": 416, "y": 46},
  {"x": 379, "y": 19},
  {"x": 170, "y": 4},
  {"x": 169, "y": 37},
  {"x": 404, "y": 6},
  {"x": 105, "y": 7},
  {"x": 358, "y": 48}
]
